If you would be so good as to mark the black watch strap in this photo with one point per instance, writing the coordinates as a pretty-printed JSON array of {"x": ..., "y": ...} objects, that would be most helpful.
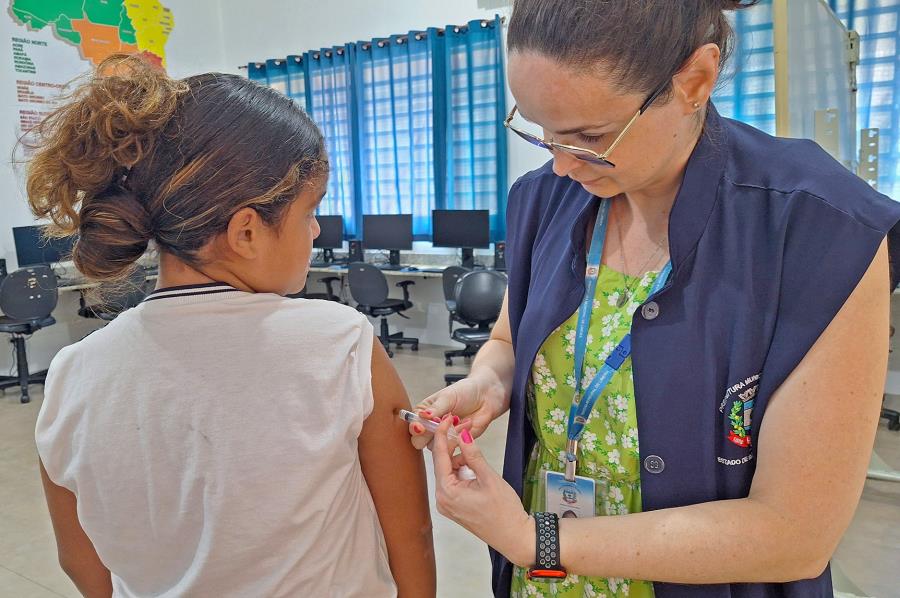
[{"x": 547, "y": 566}]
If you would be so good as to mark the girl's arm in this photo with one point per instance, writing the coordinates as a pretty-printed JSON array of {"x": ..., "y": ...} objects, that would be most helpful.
[
  {"x": 395, "y": 474},
  {"x": 77, "y": 555}
]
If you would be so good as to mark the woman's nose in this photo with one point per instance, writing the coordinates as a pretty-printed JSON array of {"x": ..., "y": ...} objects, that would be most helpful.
[{"x": 564, "y": 163}]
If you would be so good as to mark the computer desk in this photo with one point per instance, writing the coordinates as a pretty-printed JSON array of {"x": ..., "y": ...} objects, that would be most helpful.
[{"x": 420, "y": 272}]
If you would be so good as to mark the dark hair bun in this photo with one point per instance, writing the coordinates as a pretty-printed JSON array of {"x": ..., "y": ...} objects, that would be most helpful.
[{"x": 115, "y": 230}]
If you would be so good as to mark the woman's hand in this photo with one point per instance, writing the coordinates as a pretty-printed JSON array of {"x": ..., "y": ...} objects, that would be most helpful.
[
  {"x": 487, "y": 506},
  {"x": 473, "y": 398}
]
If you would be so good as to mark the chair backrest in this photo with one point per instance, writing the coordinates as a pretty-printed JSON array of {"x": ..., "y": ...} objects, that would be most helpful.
[
  {"x": 479, "y": 296},
  {"x": 450, "y": 277},
  {"x": 29, "y": 293},
  {"x": 368, "y": 284},
  {"x": 126, "y": 294}
]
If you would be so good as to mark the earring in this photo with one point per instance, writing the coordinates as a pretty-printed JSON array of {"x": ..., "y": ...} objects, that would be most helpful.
[{"x": 696, "y": 105}]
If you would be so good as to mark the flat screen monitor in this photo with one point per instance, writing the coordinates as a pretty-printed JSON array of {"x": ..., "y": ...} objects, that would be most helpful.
[
  {"x": 388, "y": 231},
  {"x": 466, "y": 229},
  {"x": 332, "y": 235},
  {"x": 32, "y": 248}
]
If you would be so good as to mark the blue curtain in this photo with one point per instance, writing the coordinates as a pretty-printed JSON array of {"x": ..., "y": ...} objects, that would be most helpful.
[
  {"x": 412, "y": 122},
  {"x": 396, "y": 108},
  {"x": 475, "y": 100},
  {"x": 878, "y": 99},
  {"x": 328, "y": 74},
  {"x": 747, "y": 92}
]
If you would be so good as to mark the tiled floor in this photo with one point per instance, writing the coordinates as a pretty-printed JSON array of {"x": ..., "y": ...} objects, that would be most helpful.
[{"x": 869, "y": 554}]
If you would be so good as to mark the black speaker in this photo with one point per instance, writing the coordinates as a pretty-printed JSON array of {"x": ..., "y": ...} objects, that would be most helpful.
[
  {"x": 500, "y": 256},
  {"x": 356, "y": 251}
]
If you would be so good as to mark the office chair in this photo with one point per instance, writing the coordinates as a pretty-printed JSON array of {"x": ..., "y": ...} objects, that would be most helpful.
[
  {"x": 328, "y": 295},
  {"x": 27, "y": 298},
  {"x": 479, "y": 299},
  {"x": 369, "y": 288},
  {"x": 449, "y": 278},
  {"x": 116, "y": 298}
]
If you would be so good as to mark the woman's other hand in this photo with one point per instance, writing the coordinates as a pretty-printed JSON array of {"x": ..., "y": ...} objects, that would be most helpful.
[{"x": 486, "y": 506}]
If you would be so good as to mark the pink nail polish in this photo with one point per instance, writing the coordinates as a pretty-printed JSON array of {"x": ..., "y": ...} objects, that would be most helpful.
[
  {"x": 466, "y": 437},
  {"x": 418, "y": 429},
  {"x": 455, "y": 420},
  {"x": 436, "y": 420},
  {"x": 426, "y": 413}
]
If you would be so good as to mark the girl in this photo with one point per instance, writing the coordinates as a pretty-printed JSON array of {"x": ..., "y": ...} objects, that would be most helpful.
[{"x": 219, "y": 439}]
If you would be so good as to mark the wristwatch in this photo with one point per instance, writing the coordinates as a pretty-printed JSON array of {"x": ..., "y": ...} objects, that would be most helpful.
[{"x": 547, "y": 566}]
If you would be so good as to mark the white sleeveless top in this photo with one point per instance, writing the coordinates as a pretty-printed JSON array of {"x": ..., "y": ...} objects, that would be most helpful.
[{"x": 210, "y": 437}]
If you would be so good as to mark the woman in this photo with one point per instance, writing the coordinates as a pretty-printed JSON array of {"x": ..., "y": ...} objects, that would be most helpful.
[{"x": 718, "y": 297}]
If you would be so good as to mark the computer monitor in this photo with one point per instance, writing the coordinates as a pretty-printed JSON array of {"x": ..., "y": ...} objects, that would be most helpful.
[
  {"x": 388, "y": 231},
  {"x": 331, "y": 236},
  {"x": 465, "y": 229},
  {"x": 33, "y": 248}
]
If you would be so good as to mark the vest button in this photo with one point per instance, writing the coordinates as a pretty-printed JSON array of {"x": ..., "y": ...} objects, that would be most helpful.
[
  {"x": 654, "y": 464},
  {"x": 650, "y": 311}
]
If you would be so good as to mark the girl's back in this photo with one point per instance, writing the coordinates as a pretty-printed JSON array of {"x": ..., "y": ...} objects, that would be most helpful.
[{"x": 230, "y": 443}]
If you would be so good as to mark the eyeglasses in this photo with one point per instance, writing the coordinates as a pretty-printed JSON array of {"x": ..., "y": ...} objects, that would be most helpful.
[{"x": 581, "y": 153}]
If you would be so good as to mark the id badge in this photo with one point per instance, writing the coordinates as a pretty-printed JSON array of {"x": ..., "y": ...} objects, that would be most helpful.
[{"x": 569, "y": 499}]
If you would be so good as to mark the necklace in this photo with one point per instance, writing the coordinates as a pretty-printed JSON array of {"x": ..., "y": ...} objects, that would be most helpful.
[{"x": 627, "y": 294}]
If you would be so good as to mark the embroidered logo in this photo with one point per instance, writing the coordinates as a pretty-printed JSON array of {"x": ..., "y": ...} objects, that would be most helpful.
[{"x": 740, "y": 414}]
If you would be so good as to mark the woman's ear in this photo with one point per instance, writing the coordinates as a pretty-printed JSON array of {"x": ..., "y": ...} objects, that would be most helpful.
[
  {"x": 245, "y": 233},
  {"x": 694, "y": 84}
]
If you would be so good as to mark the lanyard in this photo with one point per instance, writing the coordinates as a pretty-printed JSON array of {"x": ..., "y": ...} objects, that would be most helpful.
[{"x": 585, "y": 399}]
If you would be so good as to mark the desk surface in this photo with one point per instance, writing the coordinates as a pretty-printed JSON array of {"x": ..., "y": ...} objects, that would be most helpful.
[{"x": 342, "y": 270}]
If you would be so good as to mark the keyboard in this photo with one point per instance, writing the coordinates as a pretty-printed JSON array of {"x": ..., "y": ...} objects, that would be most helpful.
[{"x": 391, "y": 268}]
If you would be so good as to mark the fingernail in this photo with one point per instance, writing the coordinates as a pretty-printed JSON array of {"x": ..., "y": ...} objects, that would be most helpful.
[
  {"x": 466, "y": 437},
  {"x": 436, "y": 420},
  {"x": 445, "y": 417},
  {"x": 455, "y": 420},
  {"x": 418, "y": 429},
  {"x": 427, "y": 413}
]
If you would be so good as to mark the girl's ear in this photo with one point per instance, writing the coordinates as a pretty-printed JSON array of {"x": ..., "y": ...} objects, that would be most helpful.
[{"x": 244, "y": 233}]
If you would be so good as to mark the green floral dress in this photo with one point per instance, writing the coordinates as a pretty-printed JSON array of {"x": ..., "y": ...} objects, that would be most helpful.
[{"x": 608, "y": 451}]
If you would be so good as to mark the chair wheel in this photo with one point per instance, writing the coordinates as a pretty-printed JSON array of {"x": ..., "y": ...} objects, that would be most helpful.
[
  {"x": 448, "y": 362},
  {"x": 25, "y": 398},
  {"x": 415, "y": 347},
  {"x": 390, "y": 354},
  {"x": 894, "y": 426}
]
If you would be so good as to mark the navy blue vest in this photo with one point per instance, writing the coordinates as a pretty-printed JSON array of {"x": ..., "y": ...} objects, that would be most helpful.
[{"x": 768, "y": 237}]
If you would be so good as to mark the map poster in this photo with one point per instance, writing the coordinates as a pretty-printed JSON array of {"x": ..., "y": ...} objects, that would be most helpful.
[{"x": 52, "y": 42}]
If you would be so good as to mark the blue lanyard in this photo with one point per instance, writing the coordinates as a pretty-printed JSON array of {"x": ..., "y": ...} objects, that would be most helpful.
[{"x": 585, "y": 399}]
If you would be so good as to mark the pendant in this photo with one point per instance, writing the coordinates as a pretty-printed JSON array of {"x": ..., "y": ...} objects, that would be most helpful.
[{"x": 623, "y": 299}]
